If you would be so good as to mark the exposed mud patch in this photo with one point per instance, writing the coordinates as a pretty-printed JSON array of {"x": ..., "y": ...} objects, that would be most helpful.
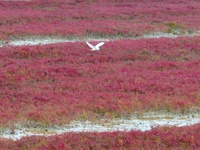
[
  {"x": 51, "y": 40},
  {"x": 146, "y": 122}
]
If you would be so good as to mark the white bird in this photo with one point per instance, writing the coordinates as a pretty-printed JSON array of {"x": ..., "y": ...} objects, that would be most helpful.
[{"x": 95, "y": 48}]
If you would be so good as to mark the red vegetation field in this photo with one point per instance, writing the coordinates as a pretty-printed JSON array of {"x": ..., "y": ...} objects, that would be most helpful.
[
  {"x": 61, "y": 82},
  {"x": 97, "y": 18},
  {"x": 57, "y": 83},
  {"x": 158, "y": 138}
]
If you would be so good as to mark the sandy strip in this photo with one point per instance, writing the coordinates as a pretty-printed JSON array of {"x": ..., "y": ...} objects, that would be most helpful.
[
  {"x": 145, "y": 123},
  {"x": 50, "y": 40},
  {"x": 45, "y": 40}
]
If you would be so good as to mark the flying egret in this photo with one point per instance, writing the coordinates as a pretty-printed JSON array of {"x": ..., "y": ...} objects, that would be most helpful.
[{"x": 95, "y": 48}]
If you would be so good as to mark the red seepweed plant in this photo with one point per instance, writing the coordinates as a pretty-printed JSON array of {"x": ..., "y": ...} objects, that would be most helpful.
[
  {"x": 96, "y": 18},
  {"x": 57, "y": 83}
]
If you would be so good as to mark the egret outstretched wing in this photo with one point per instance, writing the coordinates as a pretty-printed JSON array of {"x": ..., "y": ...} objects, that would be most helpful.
[
  {"x": 90, "y": 45},
  {"x": 99, "y": 44}
]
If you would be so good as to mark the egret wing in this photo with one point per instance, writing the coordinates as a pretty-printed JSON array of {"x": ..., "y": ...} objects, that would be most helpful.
[
  {"x": 99, "y": 44},
  {"x": 90, "y": 45}
]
